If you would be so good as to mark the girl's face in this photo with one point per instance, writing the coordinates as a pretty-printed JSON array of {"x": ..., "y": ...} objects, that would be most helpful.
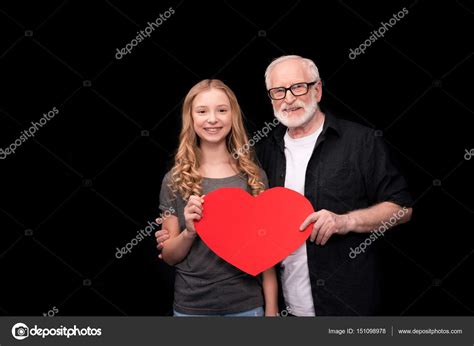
[{"x": 212, "y": 115}]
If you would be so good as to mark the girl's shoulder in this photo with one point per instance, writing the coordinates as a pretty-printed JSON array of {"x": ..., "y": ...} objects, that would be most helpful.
[{"x": 166, "y": 185}]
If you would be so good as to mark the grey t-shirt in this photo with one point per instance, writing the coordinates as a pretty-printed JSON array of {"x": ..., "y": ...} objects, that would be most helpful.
[{"x": 205, "y": 284}]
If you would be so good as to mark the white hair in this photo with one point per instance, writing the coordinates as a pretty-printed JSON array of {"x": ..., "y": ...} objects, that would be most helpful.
[{"x": 309, "y": 64}]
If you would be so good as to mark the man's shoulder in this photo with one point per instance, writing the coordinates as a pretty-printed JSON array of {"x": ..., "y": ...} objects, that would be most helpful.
[
  {"x": 353, "y": 129},
  {"x": 272, "y": 138}
]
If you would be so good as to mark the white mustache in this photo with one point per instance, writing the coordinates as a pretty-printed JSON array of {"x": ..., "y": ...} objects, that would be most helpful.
[{"x": 294, "y": 104}]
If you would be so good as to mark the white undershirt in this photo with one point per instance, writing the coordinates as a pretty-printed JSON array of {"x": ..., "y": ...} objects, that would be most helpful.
[{"x": 295, "y": 273}]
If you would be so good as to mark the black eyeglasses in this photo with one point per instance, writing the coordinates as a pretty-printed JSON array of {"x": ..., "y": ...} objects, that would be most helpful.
[{"x": 297, "y": 89}]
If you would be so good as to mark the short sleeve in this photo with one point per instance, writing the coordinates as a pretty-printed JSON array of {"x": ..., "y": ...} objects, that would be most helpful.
[
  {"x": 168, "y": 200},
  {"x": 384, "y": 181}
]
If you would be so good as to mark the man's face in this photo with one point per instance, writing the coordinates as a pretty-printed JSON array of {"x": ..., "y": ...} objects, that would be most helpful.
[{"x": 294, "y": 111}]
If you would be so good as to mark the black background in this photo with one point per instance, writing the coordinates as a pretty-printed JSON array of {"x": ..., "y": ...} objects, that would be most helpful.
[{"x": 90, "y": 178}]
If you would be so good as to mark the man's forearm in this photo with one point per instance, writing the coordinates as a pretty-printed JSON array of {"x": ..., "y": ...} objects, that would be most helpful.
[
  {"x": 176, "y": 249},
  {"x": 369, "y": 219}
]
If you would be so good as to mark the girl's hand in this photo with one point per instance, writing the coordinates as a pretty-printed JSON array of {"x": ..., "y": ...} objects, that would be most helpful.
[{"x": 193, "y": 211}]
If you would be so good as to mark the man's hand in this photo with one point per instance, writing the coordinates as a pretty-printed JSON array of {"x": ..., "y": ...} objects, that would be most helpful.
[
  {"x": 326, "y": 224},
  {"x": 161, "y": 236}
]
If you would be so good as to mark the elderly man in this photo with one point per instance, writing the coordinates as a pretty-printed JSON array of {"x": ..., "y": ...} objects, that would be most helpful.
[{"x": 345, "y": 171}]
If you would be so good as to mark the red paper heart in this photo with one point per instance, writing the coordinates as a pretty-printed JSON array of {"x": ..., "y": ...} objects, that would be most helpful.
[{"x": 254, "y": 233}]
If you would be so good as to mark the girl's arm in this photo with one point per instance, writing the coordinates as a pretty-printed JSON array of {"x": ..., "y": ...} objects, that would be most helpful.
[
  {"x": 176, "y": 248},
  {"x": 270, "y": 292}
]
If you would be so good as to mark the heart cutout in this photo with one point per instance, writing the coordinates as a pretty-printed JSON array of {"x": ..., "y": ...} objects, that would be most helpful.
[{"x": 254, "y": 233}]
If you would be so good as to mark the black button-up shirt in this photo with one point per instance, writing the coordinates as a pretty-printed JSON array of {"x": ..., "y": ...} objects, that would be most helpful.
[{"x": 350, "y": 168}]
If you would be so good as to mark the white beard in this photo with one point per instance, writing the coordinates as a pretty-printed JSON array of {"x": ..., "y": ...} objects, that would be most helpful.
[{"x": 309, "y": 113}]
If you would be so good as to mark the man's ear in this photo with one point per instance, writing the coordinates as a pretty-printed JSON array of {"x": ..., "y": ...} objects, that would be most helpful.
[{"x": 319, "y": 90}]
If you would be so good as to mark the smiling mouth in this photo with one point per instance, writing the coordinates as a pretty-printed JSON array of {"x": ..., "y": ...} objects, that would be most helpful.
[
  {"x": 212, "y": 129},
  {"x": 291, "y": 109}
]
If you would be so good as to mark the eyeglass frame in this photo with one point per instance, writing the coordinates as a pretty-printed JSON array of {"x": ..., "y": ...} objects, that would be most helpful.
[{"x": 291, "y": 91}]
